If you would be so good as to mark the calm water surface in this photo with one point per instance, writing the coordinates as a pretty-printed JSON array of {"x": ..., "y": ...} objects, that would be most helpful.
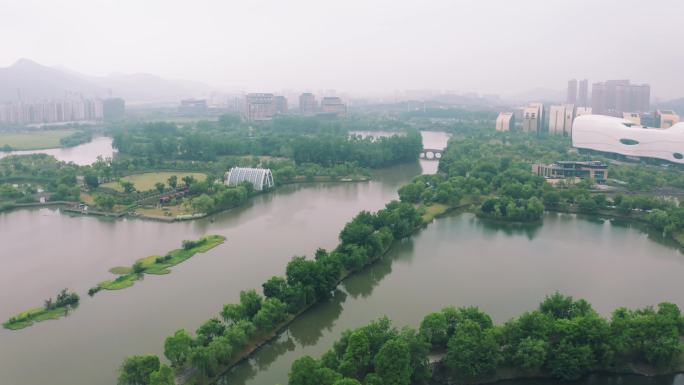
[
  {"x": 457, "y": 260},
  {"x": 44, "y": 250},
  {"x": 83, "y": 154},
  {"x": 460, "y": 260}
]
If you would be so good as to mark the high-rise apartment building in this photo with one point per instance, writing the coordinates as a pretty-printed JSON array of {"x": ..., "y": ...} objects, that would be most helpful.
[
  {"x": 52, "y": 111},
  {"x": 280, "y": 105},
  {"x": 572, "y": 92},
  {"x": 113, "y": 109},
  {"x": 614, "y": 97},
  {"x": 259, "y": 106},
  {"x": 333, "y": 105},
  {"x": 583, "y": 96},
  {"x": 307, "y": 104}
]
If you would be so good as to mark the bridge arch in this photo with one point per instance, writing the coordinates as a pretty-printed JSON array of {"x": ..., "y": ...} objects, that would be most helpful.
[{"x": 431, "y": 154}]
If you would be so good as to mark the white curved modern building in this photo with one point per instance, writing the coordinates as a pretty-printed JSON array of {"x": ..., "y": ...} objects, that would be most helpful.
[
  {"x": 260, "y": 178},
  {"x": 621, "y": 136}
]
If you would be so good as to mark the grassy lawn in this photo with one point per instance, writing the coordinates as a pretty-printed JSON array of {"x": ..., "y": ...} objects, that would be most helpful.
[
  {"x": 166, "y": 211},
  {"x": 35, "y": 140},
  {"x": 158, "y": 265},
  {"x": 433, "y": 210},
  {"x": 146, "y": 181},
  {"x": 27, "y": 318}
]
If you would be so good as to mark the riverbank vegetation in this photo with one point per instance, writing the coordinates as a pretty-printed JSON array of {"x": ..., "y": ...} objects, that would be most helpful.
[
  {"x": 492, "y": 174},
  {"x": 41, "y": 139},
  {"x": 563, "y": 339},
  {"x": 295, "y": 149},
  {"x": 242, "y": 327},
  {"x": 157, "y": 264},
  {"x": 52, "y": 309}
]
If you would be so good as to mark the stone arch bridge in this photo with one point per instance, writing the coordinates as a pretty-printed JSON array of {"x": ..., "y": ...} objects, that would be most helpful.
[{"x": 431, "y": 153}]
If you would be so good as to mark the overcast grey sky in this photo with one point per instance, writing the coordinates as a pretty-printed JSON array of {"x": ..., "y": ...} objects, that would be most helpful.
[{"x": 359, "y": 46}]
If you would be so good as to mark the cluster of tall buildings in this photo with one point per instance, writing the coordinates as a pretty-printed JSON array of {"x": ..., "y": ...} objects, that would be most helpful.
[
  {"x": 612, "y": 97},
  {"x": 618, "y": 98},
  {"x": 265, "y": 106},
  {"x": 58, "y": 111}
]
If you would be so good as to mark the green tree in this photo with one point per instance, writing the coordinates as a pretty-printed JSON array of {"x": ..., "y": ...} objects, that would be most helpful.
[
  {"x": 163, "y": 376},
  {"x": 357, "y": 355},
  {"x": 568, "y": 361},
  {"x": 105, "y": 201},
  {"x": 531, "y": 354},
  {"x": 160, "y": 187},
  {"x": 393, "y": 363},
  {"x": 251, "y": 301},
  {"x": 136, "y": 370},
  {"x": 177, "y": 347},
  {"x": 434, "y": 329},
  {"x": 303, "y": 372},
  {"x": 172, "y": 181},
  {"x": 128, "y": 187},
  {"x": 347, "y": 381},
  {"x": 472, "y": 352}
]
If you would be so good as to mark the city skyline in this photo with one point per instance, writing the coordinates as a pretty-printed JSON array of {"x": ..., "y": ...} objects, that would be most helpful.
[{"x": 355, "y": 47}]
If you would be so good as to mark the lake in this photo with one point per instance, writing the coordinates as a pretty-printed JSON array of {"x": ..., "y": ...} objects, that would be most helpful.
[
  {"x": 83, "y": 154},
  {"x": 457, "y": 260}
]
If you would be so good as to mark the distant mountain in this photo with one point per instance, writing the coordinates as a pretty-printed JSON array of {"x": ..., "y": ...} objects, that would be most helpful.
[{"x": 30, "y": 80}]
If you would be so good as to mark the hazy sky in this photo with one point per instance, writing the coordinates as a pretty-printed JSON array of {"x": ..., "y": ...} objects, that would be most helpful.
[{"x": 359, "y": 46}]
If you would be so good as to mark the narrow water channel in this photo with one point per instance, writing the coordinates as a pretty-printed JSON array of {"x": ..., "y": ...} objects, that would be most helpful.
[{"x": 44, "y": 250}]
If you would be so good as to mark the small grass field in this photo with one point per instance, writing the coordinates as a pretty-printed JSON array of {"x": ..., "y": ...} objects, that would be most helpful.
[
  {"x": 433, "y": 210},
  {"x": 146, "y": 181},
  {"x": 157, "y": 265},
  {"x": 33, "y": 140},
  {"x": 28, "y": 317}
]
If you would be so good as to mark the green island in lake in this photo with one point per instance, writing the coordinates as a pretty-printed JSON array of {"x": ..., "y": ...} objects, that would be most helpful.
[
  {"x": 51, "y": 310},
  {"x": 157, "y": 264}
]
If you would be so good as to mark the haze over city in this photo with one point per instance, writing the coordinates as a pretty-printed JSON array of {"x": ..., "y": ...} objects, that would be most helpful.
[{"x": 360, "y": 47}]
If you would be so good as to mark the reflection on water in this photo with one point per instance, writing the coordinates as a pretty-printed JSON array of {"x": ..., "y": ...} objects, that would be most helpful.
[
  {"x": 77, "y": 251},
  {"x": 505, "y": 269},
  {"x": 83, "y": 154}
]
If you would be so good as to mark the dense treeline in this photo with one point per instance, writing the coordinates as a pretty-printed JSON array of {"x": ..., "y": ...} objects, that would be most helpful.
[
  {"x": 564, "y": 339},
  {"x": 78, "y": 137},
  {"x": 222, "y": 340},
  {"x": 492, "y": 172},
  {"x": 306, "y": 140}
]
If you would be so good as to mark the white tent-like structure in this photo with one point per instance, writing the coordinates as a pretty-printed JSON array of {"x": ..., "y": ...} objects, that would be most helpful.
[
  {"x": 621, "y": 136},
  {"x": 260, "y": 178}
]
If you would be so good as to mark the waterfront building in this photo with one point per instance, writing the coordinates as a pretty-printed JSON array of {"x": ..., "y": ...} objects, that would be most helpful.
[
  {"x": 333, "y": 105},
  {"x": 260, "y": 106},
  {"x": 620, "y": 136},
  {"x": 307, "y": 104},
  {"x": 260, "y": 178},
  {"x": 666, "y": 118},
  {"x": 505, "y": 121},
  {"x": 595, "y": 170}
]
